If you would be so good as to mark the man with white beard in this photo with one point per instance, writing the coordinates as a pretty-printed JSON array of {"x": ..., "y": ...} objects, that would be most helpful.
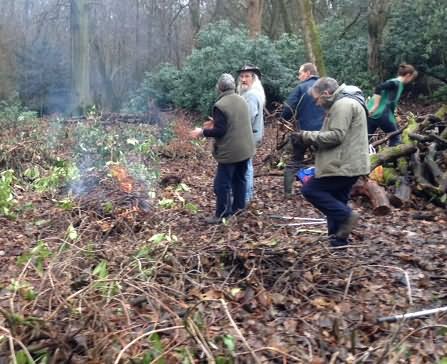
[{"x": 249, "y": 86}]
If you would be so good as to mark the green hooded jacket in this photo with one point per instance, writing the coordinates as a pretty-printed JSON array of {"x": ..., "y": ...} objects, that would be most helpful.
[{"x": 342, "y": 143}]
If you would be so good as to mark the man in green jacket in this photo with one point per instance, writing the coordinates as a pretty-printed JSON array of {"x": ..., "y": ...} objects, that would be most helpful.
[
  {"x": 233, "y": 147},
  {"x": 342, "y": 155}
]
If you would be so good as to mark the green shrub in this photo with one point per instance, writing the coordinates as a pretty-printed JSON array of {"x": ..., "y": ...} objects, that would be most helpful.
[
  {"x": 12, "y": 111},
  {"x": 416, "y": 34},
  {"x": 158, "y": 86},
  {"x": 221, "y": 48}
]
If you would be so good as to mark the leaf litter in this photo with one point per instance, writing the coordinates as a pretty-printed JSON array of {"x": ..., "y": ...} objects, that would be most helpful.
[{"x": 137, "y": 281}]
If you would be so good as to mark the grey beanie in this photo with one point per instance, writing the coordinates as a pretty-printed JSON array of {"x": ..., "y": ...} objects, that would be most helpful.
[{"x": 226, "y": 82}]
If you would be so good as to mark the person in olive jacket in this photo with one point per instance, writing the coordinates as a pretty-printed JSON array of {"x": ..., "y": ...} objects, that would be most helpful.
[
  {"x": 233, "y": 146},
  {"x": 342, "y": 155}
]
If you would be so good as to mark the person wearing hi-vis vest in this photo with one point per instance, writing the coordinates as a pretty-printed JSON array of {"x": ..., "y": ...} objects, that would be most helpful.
[{"x": 382, "y": 106}]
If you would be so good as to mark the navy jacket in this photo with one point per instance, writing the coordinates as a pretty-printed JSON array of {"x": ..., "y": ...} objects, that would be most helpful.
[{"x": 310, "y": 115}]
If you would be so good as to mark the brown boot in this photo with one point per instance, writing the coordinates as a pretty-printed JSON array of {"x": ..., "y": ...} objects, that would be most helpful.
[{"x": 346, "y": 228}]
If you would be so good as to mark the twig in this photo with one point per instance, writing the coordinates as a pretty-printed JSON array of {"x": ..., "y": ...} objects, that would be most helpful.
[
  {"x": 303, "y": 223},
  {"x": 118, "y": 358},
  {"x": 194, "y": 331},
  {"x": 412, "y": 315},
  {"x": 407, "y": 279},
  {"x": 334, "y": 357},
  {"x": 347, "y": 285},
  {"x": 420, "y": 329},
  {"x": 390, "y": 135},
  {"x": 297, "y": 218},
  {"x": 227, "y": 312},
  {"x": 11, "y": 345}
]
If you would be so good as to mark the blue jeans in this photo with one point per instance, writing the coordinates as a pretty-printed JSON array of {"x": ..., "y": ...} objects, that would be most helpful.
[
  {"x": 330, "y": 195},
  {"x": 387, "y": 124},
  {"x": 230, "y": 188},
  {"x": 249, "y": 177}
]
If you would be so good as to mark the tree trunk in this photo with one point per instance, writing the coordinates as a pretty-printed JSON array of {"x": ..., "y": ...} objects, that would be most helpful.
[
  {"x": 194, "y": 11},
  {"x": 138, "y": 45},
  {"x": 80, "y": 56},
  {"x": 378, "y": 11},
  {"x": 311, "y": 36},
  {"x": 285, "y": 16},
  {"x": 110, "y": 100},
  {"x": 254, "y": 14}
]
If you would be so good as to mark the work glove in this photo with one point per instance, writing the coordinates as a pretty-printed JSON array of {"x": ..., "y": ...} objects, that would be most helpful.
[{"x": 298, "y": 139}]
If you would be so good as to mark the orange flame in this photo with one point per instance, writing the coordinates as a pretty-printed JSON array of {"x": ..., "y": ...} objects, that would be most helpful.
[{"x": 125, "y": 181}]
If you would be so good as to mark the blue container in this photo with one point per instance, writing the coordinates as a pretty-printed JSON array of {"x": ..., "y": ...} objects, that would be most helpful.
[{"x": 305, "y": 174}]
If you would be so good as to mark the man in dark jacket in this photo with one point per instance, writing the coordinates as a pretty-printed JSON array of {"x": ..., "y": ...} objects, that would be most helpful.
[
  {"x": 234, "y": 145},
  {"x": 307, "y": 115},
  {"x": 342, "y": 155}
]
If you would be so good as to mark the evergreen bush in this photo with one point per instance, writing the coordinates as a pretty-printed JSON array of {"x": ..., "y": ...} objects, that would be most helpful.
[{"x": 221, "y": 48}]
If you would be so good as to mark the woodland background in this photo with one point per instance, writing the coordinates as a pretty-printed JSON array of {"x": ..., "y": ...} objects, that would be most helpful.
[
  {"x": 66, "y": 55},
  {"x": 104, "y": 253}
]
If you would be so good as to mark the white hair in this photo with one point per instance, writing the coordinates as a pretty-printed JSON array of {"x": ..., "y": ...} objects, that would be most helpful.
[
  {"x": 256, "y": 87},
  {"x": 225, "y": 82}
]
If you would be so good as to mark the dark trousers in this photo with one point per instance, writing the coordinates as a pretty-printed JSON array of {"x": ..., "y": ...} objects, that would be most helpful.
[
  {"x": 386, "y": 123},
  {"x": 230, "y": 188},
  {"x": 330, "y": 195}
]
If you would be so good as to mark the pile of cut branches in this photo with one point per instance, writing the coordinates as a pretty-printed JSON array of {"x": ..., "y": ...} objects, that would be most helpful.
[{"x": 419, "y": 164}]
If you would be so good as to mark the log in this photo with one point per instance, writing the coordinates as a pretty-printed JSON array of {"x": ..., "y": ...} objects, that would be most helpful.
[
  {"x": 376, "y": 195},
  {"x": 402, "y": 194},
  {"x": 422, "y": 183},
  {"x": 390, "y": 154},
  {"x": 419, "y": 137},
  {"x": 432, "y": 166}
]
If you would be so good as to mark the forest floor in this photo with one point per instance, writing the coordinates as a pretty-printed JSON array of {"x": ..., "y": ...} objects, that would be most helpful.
[{"x": 142, "y": 280}]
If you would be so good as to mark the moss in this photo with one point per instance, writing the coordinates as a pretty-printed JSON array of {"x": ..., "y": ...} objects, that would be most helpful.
[
  {"x": 411, "y": 128},
  {"x": 442, "y": 112},
  {"x": 390, "y": 176},
  {"x": 374, "y": 159},
  {"x": 402, "y": 166}
]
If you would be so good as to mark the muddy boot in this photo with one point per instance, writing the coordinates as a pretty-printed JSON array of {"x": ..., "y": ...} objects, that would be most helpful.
[
  {"x": 289, "y": 179},
  {"x": 346, "y": 228}
]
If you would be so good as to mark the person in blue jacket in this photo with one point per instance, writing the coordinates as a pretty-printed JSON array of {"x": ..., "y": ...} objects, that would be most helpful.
[
  {"x": 301, "y": 108},
  {"x": 382, "y": 107}
]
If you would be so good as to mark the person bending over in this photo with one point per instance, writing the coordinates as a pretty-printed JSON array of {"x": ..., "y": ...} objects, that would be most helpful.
[
  {"x": 342, "y": 155},
  {"x": 382, "y": 106}
]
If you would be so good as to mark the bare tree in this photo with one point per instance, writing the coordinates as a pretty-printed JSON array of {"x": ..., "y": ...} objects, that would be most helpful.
[
  {"x": 311, "y": 35},
  {"x": 254, "y": 17},
  {"x": 80, "y": 55},
  {"x": 378, "y": 13}
]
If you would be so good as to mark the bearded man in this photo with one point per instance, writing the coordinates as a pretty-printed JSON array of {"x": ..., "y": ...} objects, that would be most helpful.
[{"x": 249, "y": 86}]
